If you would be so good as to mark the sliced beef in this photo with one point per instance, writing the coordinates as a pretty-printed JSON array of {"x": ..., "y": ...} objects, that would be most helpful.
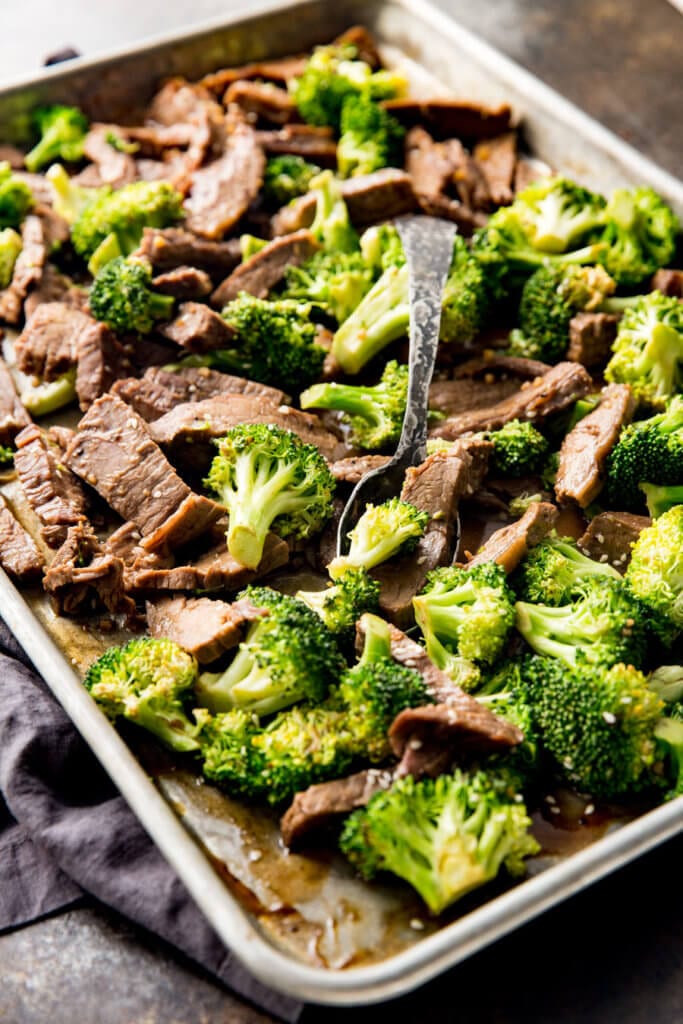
[
  {"x": 112, "y": 167},
  {"x": 114, "y": 453},
  {"x": 48, "y": 345},
  {"x": 585, "y": 449},
  {"x": 352, "y": 469},
  {"x": 222, "y": 190},
  {"x": 169, "y": 248},
  {"x": 445, "y": 168},
  {"x": 538, "y": 399},
  {"x": 325, "y": 803},
  {"x": 497, "y": 158},
  {"x": 668, "y": 282},
  {"x": 55, "y": 228},
  {"x": 82, "y": 577},
  {"x": 203, "y": 626},
  {"x": 12, "y": 156},
  {"x": 280, "y": 70},
  {"x": 493, "y": 365},
  {"x": 198, "y": 328},
  {"x": 159, "y": 391},
  {"x": 266, "y": 268},
  {"x": 509, "y": 545},
  {"x": 215, "y": 570},
  {"x": 153, "y": 140},
  {"x": 13, "y": 416},
  {"x": 262, "y": 101},
  {"x": 40, "y": 187},
  {"x": 610, "y": 537},
  {"x": 179, "y": 102},
  {"x": 451, "y": 118},
  {"x": 455, "y": 397},
  {"x": 590, "y": 338},
  {"x": 56, "y": 496},
  {"x": 101, "y": 360},
  {"x": 19, "y": 556},
  {"x": 365, "y": 43},
  {"x": 28, "y": 269},
  {"x": 452, "y": 209},
  {"x": 54, "y": 287},
  {"x": 183, "y": 283},
  {"x": 313, "y": 143}
]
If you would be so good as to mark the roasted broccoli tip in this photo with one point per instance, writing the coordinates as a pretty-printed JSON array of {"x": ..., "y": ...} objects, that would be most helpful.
[
  {"x": 331, "y": 224},
  {"x": 267, "y": 478},
  {"x": 16, "y": 198},
  {"x": 122, "y": 297},
  {"x": 466, "y": 297},
  {"x": 519, "y": 449},
  {"x": 641, "y": 235},
  {"x": 10, "y": 247},
  {"x": 335, "y": 281},
  {"x": 443, "y": 836},
  {"x": 62, "y": 135},
  {"x": 375, "y": 414},
  {"x": 555, "y": 572},
  {"x": 648, "y": 350},
  {"x": 286, "y": 177},
  {"x": 381, "y": 318},
  {"x": 124, "y": 213},
  {"x": 148, "y": 681},
  {"x": 383, "y": 531},
  {"x": 649, "y": 452},
  {"x": 371, "y": 138},
  {"x": 655, "y": 572},
  {"x": 340, "y": 606},
  {"x": 557, "y": 213}
]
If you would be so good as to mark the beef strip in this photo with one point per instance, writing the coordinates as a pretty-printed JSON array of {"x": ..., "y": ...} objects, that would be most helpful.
[
  {"x": 101, "y": 360},
  {"x": 455, "y": 397},
  {"x": 313, "y": 143},
  {"x": 183, "y": 283},
  {"x": 153, "y": 140},
  {"x": 585, "y": 449},
  {"x": 560, "y": 387},
  {"x": 491, "y": 364},
  {"x": 266, "y": 268},
  {"x": 437, "y": 168},
  {"x": 169, "y": 248},
  {"x": 19, "y": 556},
  {"x": 365, "y": 43},
  {"x": 669, "y": 282},
  {"x": 180, "y": 102},
  {"x": 451, "y": 118},
  {"x": 590, "y": 338},
  {"x": 56, "y": 229},
  {"x": 48, "y": 345},
  {"x": 280, "y": 70},
  {"x": 215, "y": 570},
  {"x": 436, "y": 487},
  {"x": 12, "y": 156},
  {"x": 114, "y": 453},
  {"x": 159, "y": 391},
  {"x": 610, "y": 536},
  {"x": 324, "y": 804},
  {"x": 82, "y": 577},
  {"x": 198, "y": 328},
  {"x": 28, "y": 269},
  {"x": 13, "y": 415},
  {"x": 40, "y": 187},
  {"x": 54, "y": 287},
  {"x": 222, "y": 190},
  {"x": 112, "y": 167},
  {"x": 262, "y": 101},
  {"x": 203, "y": 626},
  {"x": 352, "y": 469},
  {"x": 497, "y": 158},
  {"x": 53, "y": 492},
  {"x": 509, "y": 545}
]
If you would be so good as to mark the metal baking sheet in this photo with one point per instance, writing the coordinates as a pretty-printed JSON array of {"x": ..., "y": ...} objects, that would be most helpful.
[{"x": 296, "y": 921}]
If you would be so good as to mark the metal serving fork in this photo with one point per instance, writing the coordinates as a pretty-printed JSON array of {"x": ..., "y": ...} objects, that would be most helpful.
[{"x": 428, "y": 245}]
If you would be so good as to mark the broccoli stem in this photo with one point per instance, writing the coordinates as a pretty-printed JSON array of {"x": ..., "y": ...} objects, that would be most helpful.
[
  {"x": 47, "y": 398},
  {"x": 660, "y": 498},
  {"x": 381, "y": 318},
  {"x": 176, "y": 730},
  {"x": 342, "y": 397},
  {"x": 252, "y": 518},
  {"x": 377, "y": 643},
  {"x": 105, "y": 252}
]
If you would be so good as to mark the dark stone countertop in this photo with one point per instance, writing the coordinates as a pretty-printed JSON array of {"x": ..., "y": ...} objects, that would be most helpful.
[{"x": 613, "y": 953}]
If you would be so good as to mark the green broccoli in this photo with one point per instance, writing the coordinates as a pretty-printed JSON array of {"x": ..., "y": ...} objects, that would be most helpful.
[
  {"x": 466, "y": 299},
  {"x": 149, "y": 682},
  {"x": 655, "y": 572},
  {"x": 647, "y": 452},
  {"x": 465, "y": 612},
  {"x": 331, "y": 224},
  {"x": 6, "y": 457},
  {"x": 505, "y": 694},
  {"x": 659, "y": 498},
  {"x": 640, "y": 232},
  {"x": 605, "y": 625},
  {"x": 62, "y": 133},
  {"x": 382, "y": 247},
  {"x": 122, "y": 297},
  {"x": 10, "y": 247},
  {"x": 335, "y": 281},
  {"x": 250, "y": 245},
  {"x": 374, "y": 414},
  {"x": 69, "y": 198},
  {"x": 443, "y": 836},
  {"x": 16, "y": 198},
  {"x": 371, "y": 138},
  {"x": 49, "y": 396},
  {"x": 519, "y": 449},
  {"x": 287, "y": 176},
  {"x": 123, "y": 214},
  {"x": 341, "y": 605},
  {"x": 267, "y": 478},
  {"x": 383, "y": 531},
  {"x": 555, "y": 572},
  {"x": 381, "y": 318},
  {"x": 648, "y": 350}
]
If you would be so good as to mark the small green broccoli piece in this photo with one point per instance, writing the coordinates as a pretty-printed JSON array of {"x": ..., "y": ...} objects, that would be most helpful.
[
  {"x": 465, "y": 612},
  {"x": 340, "y": 606},
  {"x": 10, "y": 247},
  {"x": 640, "y": 232},
  {"x": 381, "y": 318},
  {"x": 148, "y": 681},
  {"x": 655, "y": 572},
  {"x": 648, "y": 350},
  {"x": 383, "y": 531},
  {"x": 124, "y": 213},
  {"x": 16, "y": 198},
  {"x": 331, "y": 224},
  {"x": 335, "y": 281},
  {"x": 286, "y": 177},
  {"x": 466, "y": 298},
  {"x": 557, "y": 214},
  {"x": 375, "y": 414},
  {"x": 555, "y": 572},
  {"x": 70, "y": 199},
  {"x": 519, "y": 449},
  {"x": 382, "y": 247},
  {"x": 267, "y": 478},
  {"x": 659, "y": 498},
  {"x": 6, "y": 456},
  {"x": 371, "y": 138},
  {"x": 648, "y": 452},
  {"x": 250, "y": 245},
  {"x": 122, "y": 297},
  {"x": 505, "y": 694},
  {"x": 42, "y": 399},
  {"x": 669, "y": 737},
  {"x": 62, "y": 133},
  {"x": 443, "y": 836}
]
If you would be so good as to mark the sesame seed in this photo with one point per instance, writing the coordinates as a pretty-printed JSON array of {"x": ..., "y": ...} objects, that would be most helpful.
[
  {"x": 610, "y": 718},
  {"x": 554, "y": 809},
  {"x": 600, "y": 537},
  {"x": 416, "y": 924},
  {"x": 589, "y": 809},
  {"x": 603, "y": 558},
  {"x": 415, "y": 744},
  {"x": 255, "y": 855}
]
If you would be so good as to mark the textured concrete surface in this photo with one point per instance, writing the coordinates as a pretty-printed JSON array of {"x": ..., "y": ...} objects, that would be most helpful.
[{"x": 614, "y": 953}]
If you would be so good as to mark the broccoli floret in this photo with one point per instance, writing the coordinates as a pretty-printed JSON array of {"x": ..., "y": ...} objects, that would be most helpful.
[
  {"x": 648, "y": 452},
  {"x": 332, "y": 74},
  {"x": 250, "y": 245},
  {"x": 519, "y": 449},
  {"x": 385, "y": 530},
  {"x": 640, "y": 231},
  {"x": 375, "y": 414},
  {"x": 331, "y": 225},
  {"x": 70, "y": 199},
  {"x": 465, "y": 301},
  {"x": 371, "y": 138},
  {"x": 267, "y": 478},
  {"x": 16, "y": 198},
  {"x": 669, "y": 736},
  {"x": 124, "y": 213},
  {"x": 10, "y": 247},
  {"x": 505, "y": 694},
  {"x": 659, "y": 498},
  {"x": 655, "y": 572},
  {"x": 287, "y": 176},
  {"x": 381, "y": 318},
  {"x": 382, "y": 247},
  {"x": 147, "y": 681},
  {"x": 443, "y": 836},
  {"x": 555, "y": 572},
  {"x": 648, "y": 350},
  {"x": 62, "y": 133},
  {"x": 122, "y": 297},
  {"x": 42, "y": 399},
  {"x": 275, "y": 343},
  {"x": 465, "y": 612},
  {"x": 341, "y": 605},
  {"x": 604, "y": 626},
  {"x": 335, "y": 281}
]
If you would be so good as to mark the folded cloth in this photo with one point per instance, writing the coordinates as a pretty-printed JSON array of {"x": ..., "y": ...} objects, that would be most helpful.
[{"x": 65, "y": 830}]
